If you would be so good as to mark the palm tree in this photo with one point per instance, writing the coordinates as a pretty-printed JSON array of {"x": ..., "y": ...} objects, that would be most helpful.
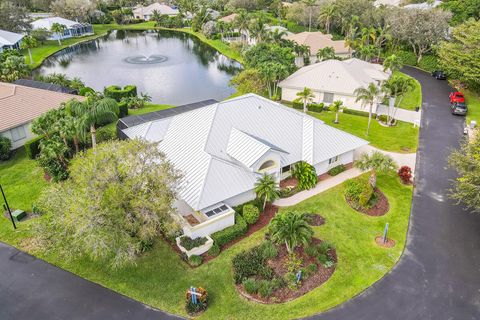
[
  {"x": 71, "y": 128},
  {"x": 291, "y": 228},
  {"x": 310, "y": 5},
  {"x": 95, "y": 109},
  {"x": 327, "y": 14},
  {"x": 156, "y": 15},
  {"x": 306, "y": 96},
  {"x": 276, "y": 35},
  {"x": 326, "y": 53},
  {"x": 377, "y": 162},
  {"x": 29, "y": 42},
  {"x": 368, "y": 96},
  {"x": 397, "y": 87},
  {"x": 242, "y": 22},
  {"x": 258, "y": 29},
  {"x": 392, "y": 63},
  {"x": 267, "y": 188},
  {"x": 59, "y": 29},
  {"x": 336, "y": 106}
]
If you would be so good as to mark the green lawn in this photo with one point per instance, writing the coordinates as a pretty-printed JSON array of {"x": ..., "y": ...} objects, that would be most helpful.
[
  {"x": 149, "y": 108},
  {"x": 401, "y": 138},
  {"x": 22, "y": 180},
  {"x": 413, "y": 98},
  {"x": 473, "y": 103},
  {"x": 160, "y": 278}
]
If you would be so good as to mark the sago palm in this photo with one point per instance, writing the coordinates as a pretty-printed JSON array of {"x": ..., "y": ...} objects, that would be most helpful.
[
  {"x": 267, "y": 188},
  {"x": 290, "y": 228}
]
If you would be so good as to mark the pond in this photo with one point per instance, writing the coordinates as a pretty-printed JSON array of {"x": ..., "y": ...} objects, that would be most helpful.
[{"x": 171, "y": 67}]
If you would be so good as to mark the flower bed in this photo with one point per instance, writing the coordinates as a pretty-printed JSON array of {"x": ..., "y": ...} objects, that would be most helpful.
[
  {"x": 269, "y": 274},
  {"x": 194, "y": 247}
]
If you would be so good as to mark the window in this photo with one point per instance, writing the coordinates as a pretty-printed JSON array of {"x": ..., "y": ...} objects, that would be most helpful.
[
  {"x": 18, "y": 133},
  {"x": 266, "y": 165},
  {"x": 333, "y": 160},
  {"x": 286, "y": 169},
  {"x": 327, "y": 97}
]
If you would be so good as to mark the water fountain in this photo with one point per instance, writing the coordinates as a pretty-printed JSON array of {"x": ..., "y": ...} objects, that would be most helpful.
[{"x": 142, "y": 59}]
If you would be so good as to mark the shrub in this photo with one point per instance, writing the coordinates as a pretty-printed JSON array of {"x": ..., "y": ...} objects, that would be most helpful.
[
  {"x": 265, "y": 288},
  {"x": 250, "y": 285},
  {"x": 311, "y": 250},
  {"x": 195, "y": 260},
  {"x": 322, "y": 259},
  {"x": 189, "y": 243},
  {"x": 297, "y": 105},
  {"x": 250, "y": 213},
  {"x": 231, "y": 233},
  {"x": 32, "y": 147},
  {"x": 312, "y": 268},
  {"x": 214, "y": 250},
  {"x": 316, "y": 107},
  {"x": 83, "y": 91},
  {"x": 5, "y": 146},
  {"x": 336, "y": 170},
  {"x": 407, "y": 57},
  {"x": 428, "y": 63},
  {"x": 250, "y": 263},
  {"x": 324, "y": 247},
  {"x": 306, "y": 175},
  {"x": 383, "y": 118},
  {"x": 359, "y": 191},
  {"x": 117, "y": 93},
  {"x": 269, "y": 250},
  {"x": 405, "y": 174},
  {"x": 357, "y": 112},
  {"x": 106, "y": 133},
  {"x": 122, "y": 109},
  {"x": 293, "y": 263}
]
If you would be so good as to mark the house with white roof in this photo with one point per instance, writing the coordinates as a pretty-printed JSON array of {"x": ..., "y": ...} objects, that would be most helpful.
[
  {"x": 423, "y": 5},
  {"x": 146, "y": 13},
  {"x": 332, "y": 80},
  {"x": 10, "y": 40},
  {"x": 393, "y": 3},
  {"x": 222, "y": 149},
  {"x": 72, "y": 28}
]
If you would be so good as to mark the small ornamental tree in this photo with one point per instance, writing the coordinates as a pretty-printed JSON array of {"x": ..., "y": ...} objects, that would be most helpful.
[
  {"x": 117, "y": 201},
  {"x": 306, "y": 175},
  {"x": 405, "y": 174}
]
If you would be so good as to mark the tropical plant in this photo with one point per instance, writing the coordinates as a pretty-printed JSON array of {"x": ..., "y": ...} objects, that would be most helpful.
[
  {"x": 290, "y": 228},
  {"x": 5, "y": 146},
  {"x": 29, "y": 42},
  {"x": 376, "y": 162},
  {"x": 405, "y": 174},
  {"x": 58, "y": 29},
  {"x": 396, "y": 87},
  {"x": 305, "y": 96},
  {"x": 336, "y": 106},
  {"x": 13, "y": 66},
  {"x": 267, "y": 188},
  {"x": 392, "y": 63},
  {"x": 310, "y": 5},
  {"x": 95, "y": 109},
  {"x": 305, "y": 174},
  {"x": 327, "y": 13},
  {"x": 242, "y": 22},
  {"x": 326, "y": 53},
  {"x": 368, "y": 96}
]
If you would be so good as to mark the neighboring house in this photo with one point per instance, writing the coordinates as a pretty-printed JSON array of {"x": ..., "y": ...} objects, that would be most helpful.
[
  {"x": 229, "y": 19},
  {"x": 19, "y": 105},
  {"x": 247, "y": 38},
  {"x": 316, "y": 41},
  {"x": 223, "y": 149},
  {"x": 146, "y": 12},
  {"x": 394, "y": 3},
  {"x": 10, "y": 40},
  {"x": 424, "y": 5},
  {"x": 332, "y": 80},
  {"x": 45, "y": 86},
  {"x": 73, "y": 28}
]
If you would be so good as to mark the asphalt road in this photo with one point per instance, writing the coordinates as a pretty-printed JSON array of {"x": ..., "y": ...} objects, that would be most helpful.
[{"x": 438, "y": 276}]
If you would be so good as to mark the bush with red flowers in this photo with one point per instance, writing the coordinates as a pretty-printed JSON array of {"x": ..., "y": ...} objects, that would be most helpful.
[{"x": 405, "y": 174}]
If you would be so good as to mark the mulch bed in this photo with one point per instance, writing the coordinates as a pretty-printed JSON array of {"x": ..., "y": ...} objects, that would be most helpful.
[
  {"x": 380, "y": 208},
  {"x": 315, "y": 220},
  {"x": 289, "y": 182},
  {"x": 389, "y": 244},
  {"x": 278, "y": 265},
  {"x": 191, "y": 220}
]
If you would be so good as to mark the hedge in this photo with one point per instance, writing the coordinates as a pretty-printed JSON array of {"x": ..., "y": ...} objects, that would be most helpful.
[
  {"x": 428, "y": 63},
  {"x": 32, "y": 147},
  {"x": 117, "y": 93},
  {"x": 106, "y": 133},
  {"x": 5, "y": 146},
  {"x": 83, "y": 91},
  {"x": 122, "y": 109},
  {"x": 314, "y": 107},
  {"x": 226, "y": 235},
  {"x": 358, "y": 113}
]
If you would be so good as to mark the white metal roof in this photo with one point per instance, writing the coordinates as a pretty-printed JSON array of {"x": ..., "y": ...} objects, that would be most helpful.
[
  {"x": 47, "y": 23},
  {"x": 8, "y": 38},
  {"x": 336, "y": 76},
  {"x": 423, "y": 5},
  {"x": 159, "y": 7},
  {"x": 214, "y": 146}
]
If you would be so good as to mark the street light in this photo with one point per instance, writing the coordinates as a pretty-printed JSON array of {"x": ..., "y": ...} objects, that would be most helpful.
[{"x": 8, "y": 208}]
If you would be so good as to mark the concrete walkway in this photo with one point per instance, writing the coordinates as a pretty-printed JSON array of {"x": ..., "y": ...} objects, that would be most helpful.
[{"x": 407, "y": 159}]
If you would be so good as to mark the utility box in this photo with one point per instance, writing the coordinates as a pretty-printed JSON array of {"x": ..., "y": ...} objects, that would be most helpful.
[
  {"x": 473, "y": 124},
  {"x": 18, "y": 215}
]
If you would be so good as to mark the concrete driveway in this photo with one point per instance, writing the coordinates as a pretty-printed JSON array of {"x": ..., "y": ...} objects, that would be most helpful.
[{"x": 438, "y": 276}]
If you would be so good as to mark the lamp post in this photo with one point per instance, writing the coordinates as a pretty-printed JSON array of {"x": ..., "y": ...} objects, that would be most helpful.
[{"x": 8, "y": 208}]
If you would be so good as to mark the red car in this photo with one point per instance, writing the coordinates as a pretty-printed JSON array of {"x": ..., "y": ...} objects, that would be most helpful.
[{"x": 457, "y": 97}]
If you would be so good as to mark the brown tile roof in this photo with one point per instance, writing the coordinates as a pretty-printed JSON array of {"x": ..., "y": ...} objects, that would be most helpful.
[
  {"x": 318, "y": 40},
  {"x": 20, "y": 105}
]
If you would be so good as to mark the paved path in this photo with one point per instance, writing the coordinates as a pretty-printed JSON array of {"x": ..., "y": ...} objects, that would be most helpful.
[
  {"x": 438, "y": 276},
  {"x": 33, "y": 289},
  {"x": 407, "y": 159}
]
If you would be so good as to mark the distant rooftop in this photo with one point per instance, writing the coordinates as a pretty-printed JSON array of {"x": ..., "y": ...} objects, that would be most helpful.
[{"x": 45, "y": 86}]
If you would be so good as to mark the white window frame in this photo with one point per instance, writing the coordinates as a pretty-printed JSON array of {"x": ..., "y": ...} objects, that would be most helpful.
[
  {"x": 333, "y": 160},
  {"x": 19, "y": 132},
  {"x": 329, "y": 93}
]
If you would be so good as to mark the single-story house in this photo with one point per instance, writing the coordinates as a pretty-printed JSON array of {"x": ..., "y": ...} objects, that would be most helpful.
[
  {"x": 73, "y": 28},
  {"x": 10, "y": 40},
  {"x": 19, "y": 105},
  {"x": 222, "y": 149},
  {"x": 229, "y": 19},
  {"x": 316, "y": 41},
  {"x": 423, "y": 5},
  {"x": 246, "y": 37},
  {"x": 45, "y": 86},
  {"x": 332, "y": 80},
  {"x": 146, "y": 13}
]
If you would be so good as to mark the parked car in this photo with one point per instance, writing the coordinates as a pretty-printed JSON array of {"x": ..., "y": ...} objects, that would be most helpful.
[
  {"x": 459, "y": 108},
  {"x": 439, "y": 75},
  {"x": 456, "y": 97}
]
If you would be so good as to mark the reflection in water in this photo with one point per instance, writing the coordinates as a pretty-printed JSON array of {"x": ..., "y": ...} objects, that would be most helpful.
[{"x": 192, "y": 70}]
